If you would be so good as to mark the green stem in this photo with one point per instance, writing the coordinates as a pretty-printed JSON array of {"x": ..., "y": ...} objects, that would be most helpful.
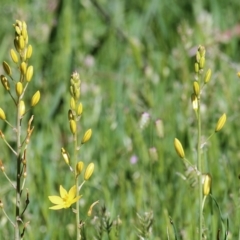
[
  {"x": 18, "y": 177},
  {"x": 199, "y": 164},
  {"x": 77, "y": 192}
]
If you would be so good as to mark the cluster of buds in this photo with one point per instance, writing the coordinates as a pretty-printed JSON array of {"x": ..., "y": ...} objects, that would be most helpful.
[{"x": 74, "y": 115}]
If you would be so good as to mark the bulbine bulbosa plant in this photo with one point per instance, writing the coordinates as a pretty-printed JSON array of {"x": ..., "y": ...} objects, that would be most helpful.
[
  {"x": 75, "y": 167},
  {"x": 15, "y": 81},
  {"x": 202, "y": 178}
]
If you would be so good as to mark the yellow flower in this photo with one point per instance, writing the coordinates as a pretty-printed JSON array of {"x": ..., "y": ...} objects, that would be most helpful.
[{"x": 65, "y": 200}]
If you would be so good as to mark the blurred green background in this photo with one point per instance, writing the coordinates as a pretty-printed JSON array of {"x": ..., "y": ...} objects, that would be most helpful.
[{"x": 136, "y": 60}]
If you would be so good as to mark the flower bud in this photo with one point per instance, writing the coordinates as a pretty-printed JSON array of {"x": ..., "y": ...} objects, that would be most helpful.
[
  {"x": 87, "y": 136},
  {"x": 7, "y": 68},
  {"x": 21, "y": 108},
  {"x": 2, "y": 114},
  {"x": 196, "y": 67},
  {"x": 29, "y": 73},
  {"x": 208, "y": 76},
  {"x": 202, "y": 51},
  {"x": 206, "y": 184},
  {"x": 179, "y": 148},
  {"x": 14, "y": 56},
  {"x": 5, "y": 82},
  {"x": 202, "y": 62},
  {"x": 79, "y": 167},
  {"x": 196, "y": 88},
  {"x": 19, "y": 88},
  {"x": 79, "y": 109},
  {"x": 221, "y": 122},
  {"x": 29, "y": 51},
  {"x": 21, "y": 42},
  {"x": 66, "y": 156},
  {"x": 35, "y": 99},
  {"x": 89, "y": 171},
  {"x": 23, "y": 67},
  {"x": 73, "y": 126},
  {"x": 72, "y": 103}
]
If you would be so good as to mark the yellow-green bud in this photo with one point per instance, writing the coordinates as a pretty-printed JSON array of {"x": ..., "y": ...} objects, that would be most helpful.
[
  {"x": 238, "y": 74},
  {"x": 87, "y": 136},
  {"x": 7, "y": 68},
  {"x": 221, "y": 122},
  {"x": 202, "y": 62},
  {"x": 35, "y": 99},
  {"x": 14, "y": 56},
  {"x": 21, "y": 42},
  {"x": 2, "y": 114},
  {"x": 207, "y": 180},
  {"x": 79, "y": 109},
  {"x": 23, "y": 68},
  {"x": 29, "y": 73},
  {"x": 18, "y": 30},
  {"x": 198, "y": 57},
  {"x": 89, "y": 171},
  {"x": 196, "y": 66},
  {"x": 5, "y": 82},
  {"x": 66, "y": 156},
  {"x": 79, "y": 167},
  {"x": 179, "y": 148},
  {"x": 201, "y": 50},
  {"x": 21, "y": 108},
  {"x": 19, "y": 88},
  {"x": 72, "y": 103},
  {"x": 208, "y": 76},
  {"x": 29, "y": 51},
  {"x": 24, "y": 33},
  {"x": 196, "y": 88},
  {"x": 194, "y": 101},
  {"x": 73, "y": 126}
]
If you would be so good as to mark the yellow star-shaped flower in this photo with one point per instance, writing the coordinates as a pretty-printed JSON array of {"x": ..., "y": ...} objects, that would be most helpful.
[{"x": 65, "y": 200}]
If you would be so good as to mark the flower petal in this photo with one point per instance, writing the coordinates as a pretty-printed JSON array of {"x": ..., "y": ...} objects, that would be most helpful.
[
  {"x": 57, "y": 207},
  {"x": 72, "y": 192},
  {"x": 56, "y": 199},
  {"x": 63, "y": 192}
]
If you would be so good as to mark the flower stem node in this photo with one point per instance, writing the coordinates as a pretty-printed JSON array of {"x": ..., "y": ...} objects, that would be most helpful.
[
  {"x": 221, "y": 122},
  {"x": 87, "y": 136},
  {"x": 89, "y": 171},
  {"x": 179, "y": 148}
]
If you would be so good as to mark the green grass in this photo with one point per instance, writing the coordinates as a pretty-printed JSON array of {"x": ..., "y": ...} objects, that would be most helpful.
[{"x": 143, "y": 62}]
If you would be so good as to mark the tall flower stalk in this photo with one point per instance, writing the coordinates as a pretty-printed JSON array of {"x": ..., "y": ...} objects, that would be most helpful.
[
  {"x": 17, "y": 88},
  {"x": 204, "y": 180},
  {"x": 66, "y": 199}
]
